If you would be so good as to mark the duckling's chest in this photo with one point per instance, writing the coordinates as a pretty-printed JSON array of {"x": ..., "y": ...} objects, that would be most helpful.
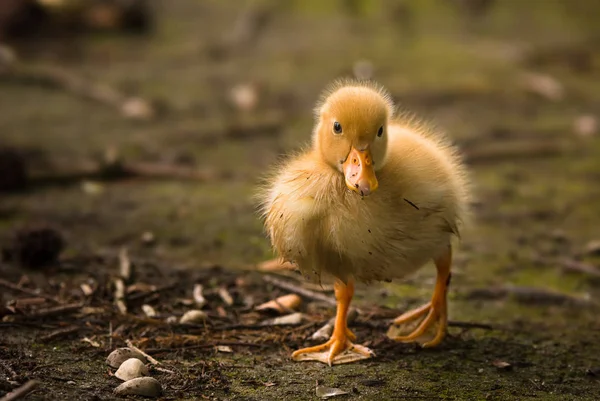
[{"x": 354, "y": 228}]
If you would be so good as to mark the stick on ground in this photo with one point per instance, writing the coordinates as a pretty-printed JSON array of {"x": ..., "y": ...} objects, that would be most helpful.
[
  {"x": 34, "y": 293},
  {"x": 21, "y": 391}
]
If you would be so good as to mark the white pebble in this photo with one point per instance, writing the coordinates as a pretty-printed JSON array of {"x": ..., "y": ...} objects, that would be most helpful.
[
  {"x": 130, "y": 369},
  {"x": 120, "y": 355},
  {"x": 145, "y": 386}
]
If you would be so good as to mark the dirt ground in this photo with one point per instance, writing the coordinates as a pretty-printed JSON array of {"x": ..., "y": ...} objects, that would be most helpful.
[{"x": 515, "y": 84}]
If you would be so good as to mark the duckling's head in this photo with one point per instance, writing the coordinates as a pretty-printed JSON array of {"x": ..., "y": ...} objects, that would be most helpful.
[{"x": 351, "y": 131}]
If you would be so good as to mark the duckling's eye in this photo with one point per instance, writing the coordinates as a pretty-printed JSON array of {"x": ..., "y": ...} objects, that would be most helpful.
[
  {"x": 380, "y": 132},
  {"x": 337, "y": 128}
]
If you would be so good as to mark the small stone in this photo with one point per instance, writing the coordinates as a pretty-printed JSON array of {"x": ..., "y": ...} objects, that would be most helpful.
[
  {"x": 193, "y": 316},
  {"x": 586, "y": 126},
  {"x": 148, "y": 238},
  {"x": 130, "y": 369},
  {"x": 137, "y": 109},
  {"x": 244, "y": 96},
  {"x": 144, "y": 386},
  {"x": 120, "y": 355},
  {"x": 92, "y": 187}
]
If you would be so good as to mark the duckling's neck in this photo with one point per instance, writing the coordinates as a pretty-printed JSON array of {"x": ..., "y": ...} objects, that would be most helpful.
[{"x": 322, "y": 164}]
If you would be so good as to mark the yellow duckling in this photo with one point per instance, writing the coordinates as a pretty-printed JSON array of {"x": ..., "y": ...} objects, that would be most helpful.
[{"x": 374, "y": 198}]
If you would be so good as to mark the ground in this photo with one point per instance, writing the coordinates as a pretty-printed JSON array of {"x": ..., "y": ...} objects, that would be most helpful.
[{"x": 517, "y": 86}]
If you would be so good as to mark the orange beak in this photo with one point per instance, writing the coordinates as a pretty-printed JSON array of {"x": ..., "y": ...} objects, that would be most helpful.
[{"x": 359, "y": 172}]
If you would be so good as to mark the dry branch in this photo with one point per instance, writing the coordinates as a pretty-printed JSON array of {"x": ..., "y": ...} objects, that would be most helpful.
[
  {"x": 61, "y": 78},
  {"x": 57, "y": 310},
  {"x": 21, "y": 391},
  {"x": 150, "y": 359},
  {"x": 34, "y": 293}
]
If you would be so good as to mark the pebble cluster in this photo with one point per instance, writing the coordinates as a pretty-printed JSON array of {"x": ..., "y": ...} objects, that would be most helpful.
[{"x": 131, "y": 368}]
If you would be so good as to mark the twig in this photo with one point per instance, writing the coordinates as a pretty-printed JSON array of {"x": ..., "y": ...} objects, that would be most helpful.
[
  {"x": 119, "y": 295},
  {"x": 208, "y": 345},
  {"x": 124, "y": 264},
  {"x": 198, "y": 296},
  {"x": 286, "y": 285},
  {"x": 21, "y": 391},
  {"x": 110, "y": 334},
  {"x": 54, "y": 77},
  {"x": 570, "y": 265},
  {"x": 60, "y": 333},
  {"x": 150, "y": 359},
  {"x": 157, "y": 368},
  {"x": 14, "y": 287},
  {"x": 94, "y": 171},
  {"x": 57, "y": 310},
  {"x": 135, "y": 297},
  {"x": 225, "y": 296}
]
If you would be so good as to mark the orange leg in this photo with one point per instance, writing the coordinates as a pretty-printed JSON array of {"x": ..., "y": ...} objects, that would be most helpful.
[
  {"x": 436, "y": 311},
  {"x": 339, "y": 349}
]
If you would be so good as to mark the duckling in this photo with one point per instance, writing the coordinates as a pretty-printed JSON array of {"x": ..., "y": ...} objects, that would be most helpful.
[{"x": 375, "y": 197}]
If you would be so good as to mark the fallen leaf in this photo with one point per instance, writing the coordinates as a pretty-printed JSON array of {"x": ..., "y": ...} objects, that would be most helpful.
[
  {"x": 198, "y": 296},
  {"x": 225, "y": 296},
  {"x": 93, "y": 343}
]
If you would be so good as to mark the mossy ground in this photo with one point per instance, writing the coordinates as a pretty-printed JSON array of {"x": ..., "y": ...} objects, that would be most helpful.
[{"x": 462, "y": 71}]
